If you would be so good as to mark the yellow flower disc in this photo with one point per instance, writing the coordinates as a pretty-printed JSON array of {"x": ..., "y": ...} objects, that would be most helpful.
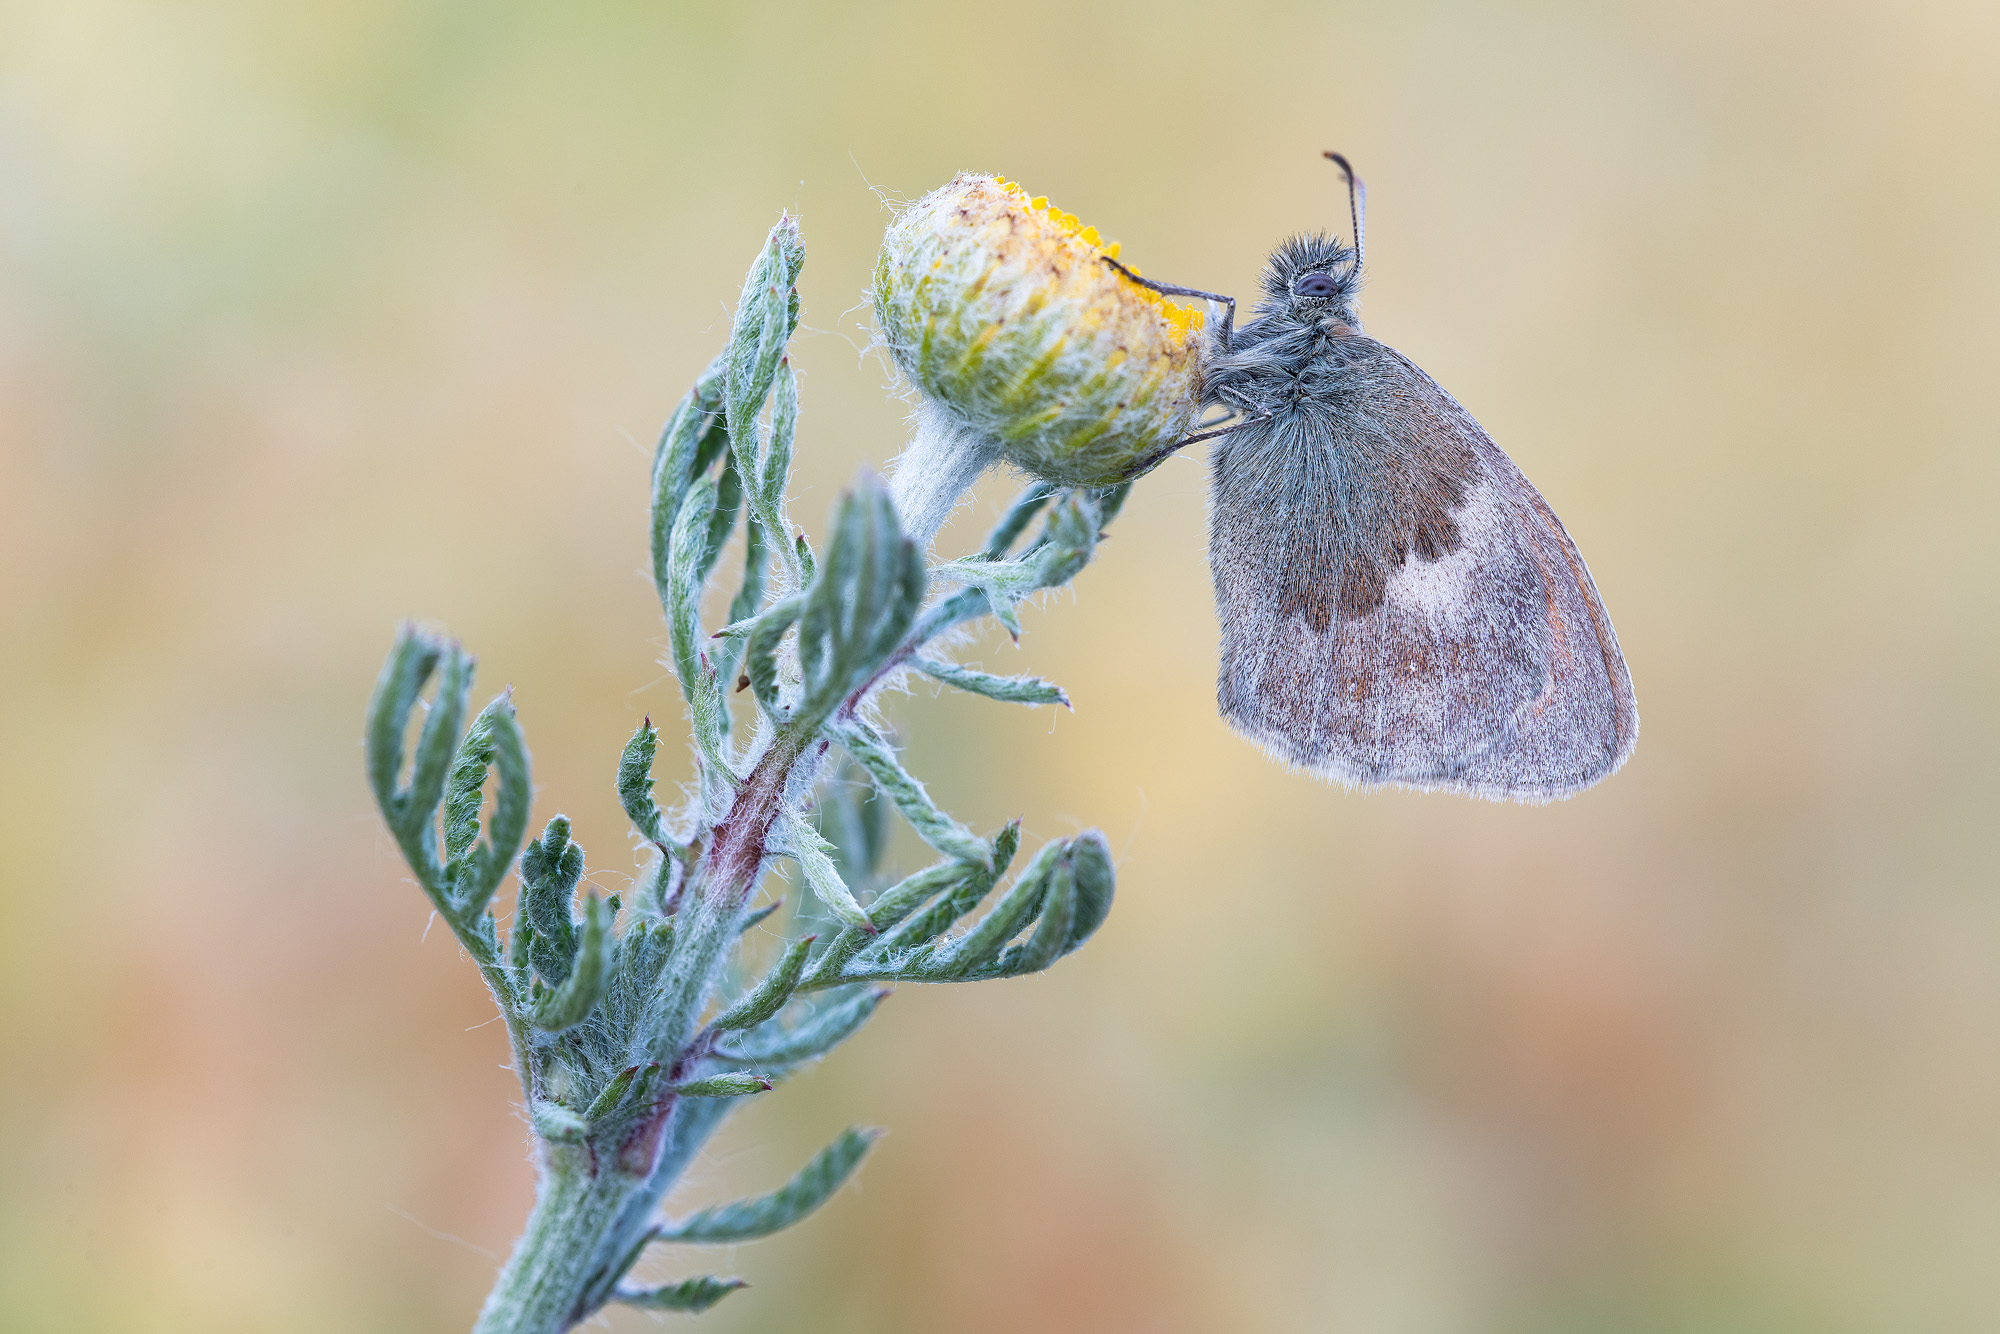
[{"x": 1001, "y": 308}]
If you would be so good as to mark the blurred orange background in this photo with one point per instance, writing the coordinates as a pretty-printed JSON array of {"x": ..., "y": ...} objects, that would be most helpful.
[{"x": 318, "y": 316}]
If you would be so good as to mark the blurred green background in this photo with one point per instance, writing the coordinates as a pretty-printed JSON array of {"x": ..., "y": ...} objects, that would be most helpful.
[{"x": 317, "y": 316}]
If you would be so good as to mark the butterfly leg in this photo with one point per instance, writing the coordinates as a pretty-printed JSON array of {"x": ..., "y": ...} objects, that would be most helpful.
[
  {"x": 1228, "y": 303},
  {"x": 1154, "y": 457}
]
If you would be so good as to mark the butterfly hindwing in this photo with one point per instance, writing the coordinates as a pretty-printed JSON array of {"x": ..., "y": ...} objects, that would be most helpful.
[{"x": 1399, "y": 605}]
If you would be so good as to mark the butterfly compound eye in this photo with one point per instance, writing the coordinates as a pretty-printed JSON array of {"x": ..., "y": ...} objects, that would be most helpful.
[{"x": 1316, "y": 284}]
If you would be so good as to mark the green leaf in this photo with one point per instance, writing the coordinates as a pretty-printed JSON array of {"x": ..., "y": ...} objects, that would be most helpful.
[
  {"x": 1017, "y": 518},
  {"x": 932, "y": 824},
  {"x": 770, "y": 995},
  {"x": 746, "y": 1220},
  {"x": 1065, "y": 546},
  {"x": 1051, "y": 934},
  {"x": 613, "y": 1093},
  {"x": 756, "y": 919},
  {"x": 409, "y": 664},
  {"x": 692, "y": 439},
  {"x": 956, "y": 960},
  {"x": 435, "y": 745},
  {"x": 766, "y": 314},
  {"x": 698, "y": 681},
  {"x": 721, "y": 520},
  {"x": 920, "y": 928},
  {"x": 851, "y": 815},
  {"x": 1080, "y": 881},
  {"x": 411, "y": 811},
  {"x": 801, "y": 842},
  {"x": 1096, "y": 880},
  {"x": 1009, "y": 689},
  {"x": 862, "y": 603},
  {"x": 493, "y": 742},
  {"x": 1068, "y": 541},
  {"x": 889, "y": 907},
  {"x": 731, "y": 1085},
  {"x": 571, "y": 1003},
  {"x": 827, "y": 1028},
  {"x": 777, "y": 464},
  {"x": 690, "y": 1295},
  {"x": 1110, "y": 500},
  {"x": 550, "y": 870},
  {"x": 760, "y": 652},
  {"x": 464, "y": 790},
  {"x": 744, "y": 605},
  {"x": 635, "y": 785},
  {"x": 557, "y": 1123}
]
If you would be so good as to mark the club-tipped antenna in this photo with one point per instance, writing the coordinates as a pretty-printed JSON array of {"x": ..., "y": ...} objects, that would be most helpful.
[{"x": 1357, "y": 202}]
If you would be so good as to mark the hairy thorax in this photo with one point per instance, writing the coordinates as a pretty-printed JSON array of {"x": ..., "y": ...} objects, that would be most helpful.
[{"x": 1361, "y": 474}]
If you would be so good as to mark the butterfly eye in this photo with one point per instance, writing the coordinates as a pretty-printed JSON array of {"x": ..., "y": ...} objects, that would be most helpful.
[{"x": 1316, "y": 284}]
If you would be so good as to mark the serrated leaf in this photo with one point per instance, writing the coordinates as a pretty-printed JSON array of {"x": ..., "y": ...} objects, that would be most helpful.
[
  {"x": 955, "y": 960},
  {"x": 436, "y": 742},
  {"x": 746, "y": 1220},
  {"x": 635, "y": 784},
  {"x": 771, "y": 994},
  {"x": 550, "y": 870},
  {"x": 931, "y": 823},
  {"x": 1009, "y": 689},
  {"x": 698, "y": 681},
  {"x": 863, "y": 601},
  {"x": 777, "y": 463},
  {"x": 734, "y": 1084},
  {"x": 493, "y": 742},
  {"x": 802, "y": 843},
  {"x": 410, "y": 662},
  {"x": 613, "y": 1093},
  {"x": 693, "y": 438},
  {"x": 571, "y": 1003},
  {"x": 690, "y": 1295},
  {"x": 922, "y": 927},
  {"x": 766, "y": 314},
  {"x": 826, "y": 1029}
]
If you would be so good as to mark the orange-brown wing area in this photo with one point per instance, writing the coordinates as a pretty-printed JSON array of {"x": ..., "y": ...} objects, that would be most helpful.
[{"x": 1399, "y": 605}]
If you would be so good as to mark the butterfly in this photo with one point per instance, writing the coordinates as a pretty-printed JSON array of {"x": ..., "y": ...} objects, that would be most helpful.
[{"x": 1398, "y": 604}]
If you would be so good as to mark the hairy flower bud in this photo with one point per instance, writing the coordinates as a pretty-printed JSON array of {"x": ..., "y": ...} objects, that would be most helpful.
[{"x": 1026, "y": 346}]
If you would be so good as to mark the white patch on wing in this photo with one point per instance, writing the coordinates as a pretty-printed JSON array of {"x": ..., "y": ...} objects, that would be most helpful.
[{"x": 1443, "y": 589}]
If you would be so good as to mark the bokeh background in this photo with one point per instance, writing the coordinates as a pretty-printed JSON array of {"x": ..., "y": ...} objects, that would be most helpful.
[{"x": 318, "y": 316}]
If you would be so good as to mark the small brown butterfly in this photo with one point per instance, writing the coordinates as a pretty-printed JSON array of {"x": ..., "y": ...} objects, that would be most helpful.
[{"x": 1398, "y": 603}]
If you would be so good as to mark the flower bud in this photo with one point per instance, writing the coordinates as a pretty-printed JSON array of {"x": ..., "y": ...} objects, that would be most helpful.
[{"x": 1026, "y": 346}]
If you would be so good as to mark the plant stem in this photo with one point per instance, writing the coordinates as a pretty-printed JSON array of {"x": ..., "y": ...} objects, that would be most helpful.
[
  {"x": 543, "y": 1285},
  {"x": 595, "y": 1202}
]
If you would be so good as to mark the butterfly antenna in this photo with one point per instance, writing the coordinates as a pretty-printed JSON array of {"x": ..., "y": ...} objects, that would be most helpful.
[{"x": 1357, "y": 202}]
